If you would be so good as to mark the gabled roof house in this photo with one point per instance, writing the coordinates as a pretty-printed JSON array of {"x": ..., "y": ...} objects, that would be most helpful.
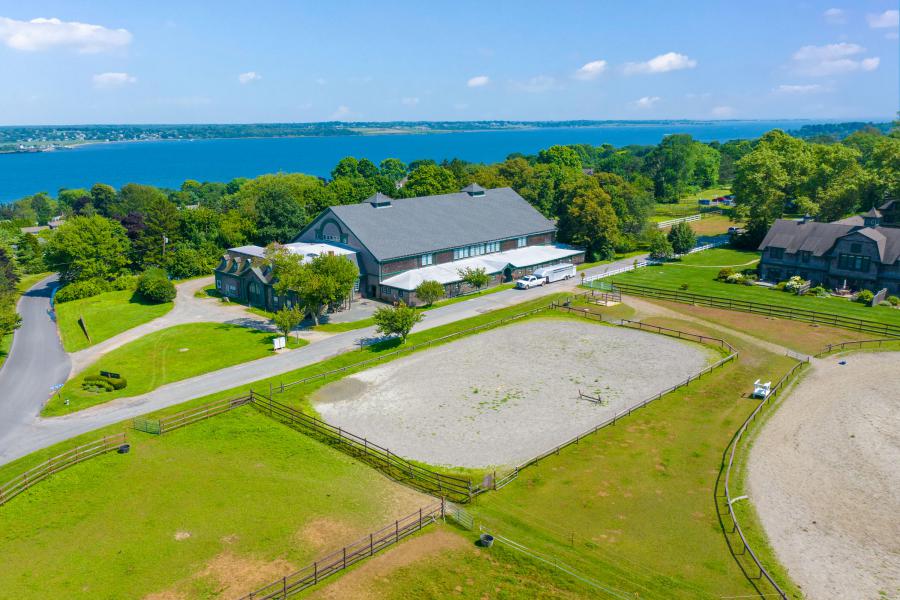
[{"x": 859, "y": 252}]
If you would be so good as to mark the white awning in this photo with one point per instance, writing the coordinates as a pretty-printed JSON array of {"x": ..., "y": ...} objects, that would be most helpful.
[{"x": 496, "y": 262}]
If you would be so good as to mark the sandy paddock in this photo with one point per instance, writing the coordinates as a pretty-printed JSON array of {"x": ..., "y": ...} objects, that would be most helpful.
[
  {"x": 508, "y": 394},
  {"x": 824, "y": 476}
]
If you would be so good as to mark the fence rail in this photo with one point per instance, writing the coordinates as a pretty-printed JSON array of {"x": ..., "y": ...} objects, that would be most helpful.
[
  {"x": 396, "y": 467},
  {"x": 670, "y": 222},
  {"x": 363, "y": 548},
  {"x": 856, "y": 344},
  {"x": 649, "y": 262},
  {"x": 769, "y": 310},
  {"x": 506, "y": 478},
  {"x": 736, "y": 526},
  {"x": 20, "y": 483},
  {"x": 191, "y": 415}
]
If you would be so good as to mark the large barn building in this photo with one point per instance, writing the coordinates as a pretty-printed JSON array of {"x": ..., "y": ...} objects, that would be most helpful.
[{"x": 399, "y": 243}]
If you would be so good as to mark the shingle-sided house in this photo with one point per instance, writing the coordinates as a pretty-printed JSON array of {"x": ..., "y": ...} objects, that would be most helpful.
[
  {"x": 401, "y": 243},
  {"x": 245, "y": 275},
  {"x": 861, "y": 252}
]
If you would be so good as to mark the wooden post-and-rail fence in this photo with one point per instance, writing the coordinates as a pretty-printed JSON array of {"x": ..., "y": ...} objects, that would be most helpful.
[
  {"x": 22, "y": 482},
  {"x": 337, "y": 561}
]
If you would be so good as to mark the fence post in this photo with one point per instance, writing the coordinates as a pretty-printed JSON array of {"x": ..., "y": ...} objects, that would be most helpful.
[
  {"x": 371, "y": 545},
  {"x": 396, "y": 531},
  {"x": 315, "y": 572}
]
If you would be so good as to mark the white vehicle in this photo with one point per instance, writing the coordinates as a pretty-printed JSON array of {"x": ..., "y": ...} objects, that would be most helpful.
[
  {"x": 530, "y": 281},
  {"x": 556, "y": 272}
]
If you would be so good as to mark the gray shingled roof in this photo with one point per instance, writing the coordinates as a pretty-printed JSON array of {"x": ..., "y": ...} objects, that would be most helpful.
[
  {"x": 819, "y": 238},
  {"x": 411, "y": 226}
]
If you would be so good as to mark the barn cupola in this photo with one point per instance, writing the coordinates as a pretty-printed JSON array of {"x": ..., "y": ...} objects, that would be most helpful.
[
  {"x": 379, "y": 200},
  {"x": 872, "y": 218},
  {"x": 474, "y": 190}
]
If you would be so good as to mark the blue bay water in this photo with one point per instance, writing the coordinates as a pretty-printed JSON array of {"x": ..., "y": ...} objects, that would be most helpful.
[{"x": 169, "y": 163}]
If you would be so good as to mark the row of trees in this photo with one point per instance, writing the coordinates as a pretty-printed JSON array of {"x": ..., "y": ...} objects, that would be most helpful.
[{"x": 600, "y": 196}]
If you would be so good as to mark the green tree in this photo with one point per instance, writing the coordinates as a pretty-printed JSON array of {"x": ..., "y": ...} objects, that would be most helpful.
[
  {"x": 759, "y": 189},
  {"x": 287, "y": 319},
  {"x": 29, "y": 254},
  {"x": 154, "y": 286},
  {"x": 9, "y": 321},
  {"x": 682, "y": 238},
  {"x": 278, "y": 204},
  {"x": 429, "y": 180},
  {"x": 136, "y": 198},
  {"x": 326, "y": 280},
  {"x": 346, "y": 167},
  {"x": 590, "y": 222},
  {"x": 430, "y": 291},
  {"x": 393, "y": 168},
  {"x": 477, "y": 278},
  {"x": 659, "y": 245},
  {"x": 563, "y": 156},
  {"x": 88, "y": 248},
  {"x": 396, "y": 320},
  {"x": 159, "y": 234},
  {"x": 103, "y": 197}
]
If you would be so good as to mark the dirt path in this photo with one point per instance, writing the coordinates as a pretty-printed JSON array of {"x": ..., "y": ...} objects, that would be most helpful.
[{"x": 824, "y": 476}]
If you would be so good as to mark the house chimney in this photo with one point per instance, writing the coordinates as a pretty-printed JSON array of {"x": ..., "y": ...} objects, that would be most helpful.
[{"x": 474, "y": 190}]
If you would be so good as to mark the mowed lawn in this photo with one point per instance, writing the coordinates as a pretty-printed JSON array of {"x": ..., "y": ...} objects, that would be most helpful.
[
  {"x": 632, "y": 506},
  {"x": 698, "y": 271},
  {"x": 106, "y": 315},
  {"x": 212, "y": 510},
  {"x": 165, "y": 356}
]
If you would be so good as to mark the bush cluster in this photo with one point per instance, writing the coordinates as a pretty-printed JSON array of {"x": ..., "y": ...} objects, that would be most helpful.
[
  {"x": 154, "y": 286},
  {"x": 865, "y": 297},
  {"x": 729, "y": 275},
  {"x": 92, "y": 287},
  {"x": 99, "y": 383},
  {"x": 893, "y": 300}
]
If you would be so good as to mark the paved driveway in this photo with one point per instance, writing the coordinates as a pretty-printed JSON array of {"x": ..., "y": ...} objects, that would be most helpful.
[
  {"x": 40, "y": 433},
  {"x": 36, "y": 362}
]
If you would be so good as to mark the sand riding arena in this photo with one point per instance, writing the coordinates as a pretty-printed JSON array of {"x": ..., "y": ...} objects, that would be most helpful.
[{"x": 503, "y": 396}]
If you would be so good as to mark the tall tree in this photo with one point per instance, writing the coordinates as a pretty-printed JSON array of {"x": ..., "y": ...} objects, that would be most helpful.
[
  {"x": 87, "y": 248},
  {"x": 325, "y": 280},
  {"x": 160, "y": 232},
  {"x": 429, "y": 180},
  {"x": 590, "y": 222}
]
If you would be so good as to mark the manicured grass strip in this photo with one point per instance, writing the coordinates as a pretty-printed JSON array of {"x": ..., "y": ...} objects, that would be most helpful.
[
  {"x": 701, "y": 279},
  {"x": 165, "y": 356},
  {"x": 27, "y": 281},
  {"x": 211, "y": 510},
  {"x": 5, "y": 345},
  {"x": 106, "y": 315}
]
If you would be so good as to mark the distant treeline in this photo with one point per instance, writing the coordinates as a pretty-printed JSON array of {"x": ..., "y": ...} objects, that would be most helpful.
[{"x": 837, "y": 131}]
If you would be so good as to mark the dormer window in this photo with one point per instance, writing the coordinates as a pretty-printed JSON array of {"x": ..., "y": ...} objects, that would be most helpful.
[{"x": 474, "y": 190}]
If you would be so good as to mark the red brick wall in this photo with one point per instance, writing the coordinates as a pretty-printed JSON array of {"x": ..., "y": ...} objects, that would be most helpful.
[
  {"x": 443, "y": 257},
  {"x": 404, "y": 264},
  {"x": 508, "y": 245},
  {"x": 537, "y": 240}
]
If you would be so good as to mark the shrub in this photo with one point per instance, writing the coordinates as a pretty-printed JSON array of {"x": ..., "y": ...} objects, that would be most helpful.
[
  {"x": 819, "y": 291},
  {"x": 780, "y": 286},
  {"x": 124, "y": 282},
  {"x": 155, "y": 287},
  {"x": 430, "y": 291},
  {"x": 683, "y": 286},
  {"x": 735, "y": 278},
  {"x": 793, "y": 284},
  {"x": 81, "y": 289},
  {"x": 99, "y": 383},
  {"x": 865, "y": 297},
  {"x": 893, "y": 300},
  {"x": 725, "y": 273}
]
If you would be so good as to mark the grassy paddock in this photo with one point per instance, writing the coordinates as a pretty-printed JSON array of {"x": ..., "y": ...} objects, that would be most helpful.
[
  {"x": 106, "y": 315},
  {"x": 698, "y": 271},
  {"x": 172, "y": 354},
  {"x": 211, "y": 510}
]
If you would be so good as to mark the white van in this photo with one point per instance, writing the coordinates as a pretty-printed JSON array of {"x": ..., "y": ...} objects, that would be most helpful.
[{"x": 556, "y": 272}]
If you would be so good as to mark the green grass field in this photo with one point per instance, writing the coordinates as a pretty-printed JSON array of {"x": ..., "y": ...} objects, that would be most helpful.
[
  {"x": 698, "y": 271},
  {"x": 165, "y": 356},
  {"x": 209, "y": 511},
  {"x": 106, "y": 315}
]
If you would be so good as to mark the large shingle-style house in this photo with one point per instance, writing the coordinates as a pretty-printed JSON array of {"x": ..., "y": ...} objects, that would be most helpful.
[
  {"x": 401, "y": 243},
  {"x": 861, "y": 252},
  {"x": 244, "y": 274}
]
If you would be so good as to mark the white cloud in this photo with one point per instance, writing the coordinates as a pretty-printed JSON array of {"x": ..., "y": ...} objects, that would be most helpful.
[
  {"x": 810, "y": 88},
  {"x": 885, "y": 20},
  {"x": 249, "y": 77},
  {"x": 478, "y": 81},
  {"x": 832, "y": 59},
  {"x": 722, "y": 111},
  {"x": 342, "y": 112},
  {"x": 591, "y": 70},
  {"x": 44, "y": 34},
  {"x": 835, "y": 16},
  {"x": 412, "y": 101},
  {"x": 670, "y": 61},
  {"x": 536, "y": 85},
  {"x": 112, "y": 80},
  {"x": 646, "y": 101}
]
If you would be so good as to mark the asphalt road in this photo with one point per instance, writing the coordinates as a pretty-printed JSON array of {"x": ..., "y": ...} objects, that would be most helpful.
[
  {"x": 36, "y": 362},
  {"x": 29, "y": 433}
]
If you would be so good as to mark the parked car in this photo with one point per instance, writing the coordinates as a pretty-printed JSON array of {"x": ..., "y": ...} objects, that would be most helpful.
[
  {"x": 556, "y": 272},
  {"x": 530, "y": 281}
]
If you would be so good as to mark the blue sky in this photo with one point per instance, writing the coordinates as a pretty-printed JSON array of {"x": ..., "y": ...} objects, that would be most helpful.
[{"x": 71, "y": 61}]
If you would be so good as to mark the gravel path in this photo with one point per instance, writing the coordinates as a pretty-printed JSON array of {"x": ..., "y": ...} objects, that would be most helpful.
[
  {"x": 506, "y": 395},
  {"x": 824, "y": 476}
]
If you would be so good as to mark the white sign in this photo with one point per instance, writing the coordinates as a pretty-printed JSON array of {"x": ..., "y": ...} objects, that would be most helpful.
[{"x": 280, "y": 343}]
